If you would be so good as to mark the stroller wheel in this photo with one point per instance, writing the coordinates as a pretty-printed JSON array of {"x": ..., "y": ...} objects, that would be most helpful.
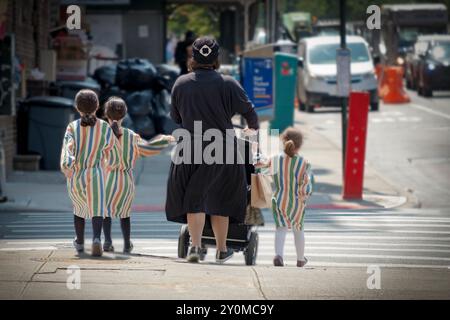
[
  {"x": 251, "y": 251},
  {"x": 183, "y": 242}
]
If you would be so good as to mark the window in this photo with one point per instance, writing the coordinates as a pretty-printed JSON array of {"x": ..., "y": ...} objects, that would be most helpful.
[{"x": 326, "y": 53}]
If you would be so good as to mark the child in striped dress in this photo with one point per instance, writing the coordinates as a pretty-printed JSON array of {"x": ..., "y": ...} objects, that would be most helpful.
[
  {"x": 120, "y": 186},
  {"x": 293, "y": 185},
  {"x": 87, "y": 143}
]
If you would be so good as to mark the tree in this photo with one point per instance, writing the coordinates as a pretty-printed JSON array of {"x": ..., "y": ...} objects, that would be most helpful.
[{"x": 202, "y": 19}]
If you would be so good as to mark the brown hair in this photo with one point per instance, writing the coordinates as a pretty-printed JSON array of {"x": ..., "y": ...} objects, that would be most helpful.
[
  {"x": 115, "y": 110},
  {"x": 293, "y": 140},
  {"x": 194, "y": 65},
  {"x": 86, "y": 101}
]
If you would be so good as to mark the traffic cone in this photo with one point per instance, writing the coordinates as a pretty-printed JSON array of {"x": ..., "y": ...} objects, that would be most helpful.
[{"x": 392, "y": 90}]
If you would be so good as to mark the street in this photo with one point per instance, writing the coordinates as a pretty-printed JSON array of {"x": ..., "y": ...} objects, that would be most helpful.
[
  {"x": 389, "y": 238},
  {"x": 408, "y": 144}
]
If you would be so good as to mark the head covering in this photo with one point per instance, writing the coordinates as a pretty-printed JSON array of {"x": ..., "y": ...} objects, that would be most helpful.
[{"x": 205, "y": 50}]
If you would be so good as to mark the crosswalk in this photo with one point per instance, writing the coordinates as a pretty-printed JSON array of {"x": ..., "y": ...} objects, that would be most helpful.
[{"x": 398, "y": 238}]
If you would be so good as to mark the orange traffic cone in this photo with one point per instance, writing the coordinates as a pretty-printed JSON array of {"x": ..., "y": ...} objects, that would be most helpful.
[
  {"x": 391, "y": 87},
  {"x": 379, "y": 72}
]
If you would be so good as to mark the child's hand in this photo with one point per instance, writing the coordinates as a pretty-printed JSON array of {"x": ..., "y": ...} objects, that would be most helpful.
[
  {"x": 169, "y": 138},
  {"x": 249, "y": 132},
  {"x": 262, "y": 164}
]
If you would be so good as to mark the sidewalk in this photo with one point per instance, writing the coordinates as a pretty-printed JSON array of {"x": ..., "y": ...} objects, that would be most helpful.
[
  {"x": 44, "y": 275},
  {"x": 46, "y": 190}
]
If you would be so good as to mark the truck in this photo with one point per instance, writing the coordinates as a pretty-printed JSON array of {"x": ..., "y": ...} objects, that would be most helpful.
[
  {"x": 297, "y": 25},
  {"x": 401, "y": 24}
]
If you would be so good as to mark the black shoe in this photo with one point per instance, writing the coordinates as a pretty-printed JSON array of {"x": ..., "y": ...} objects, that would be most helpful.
[
  {"x": 79, "y": 247},
  {"x": 194, "y": 254},
  {"x": 203, "y": 252},
  {"x": 108, "y": 247},
  {"x": 129, "y": 248},
  {"x": 221, "y": 257},
  {"x": 97, "y": 248}
]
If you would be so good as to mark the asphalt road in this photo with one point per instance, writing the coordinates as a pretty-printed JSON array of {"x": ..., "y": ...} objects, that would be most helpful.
[
  {"x": 408, "y": 144},
  {"x": 408, "y": 238}
]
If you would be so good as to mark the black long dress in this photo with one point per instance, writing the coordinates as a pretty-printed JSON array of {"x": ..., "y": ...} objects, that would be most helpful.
[{"x": 218, "y": 188}]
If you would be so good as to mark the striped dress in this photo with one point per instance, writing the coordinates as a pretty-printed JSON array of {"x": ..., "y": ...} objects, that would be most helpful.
[
  {"x": 84, "y": 153},
  {"x": 293, "y": 185},
  {"x": 120, "y": 188}
]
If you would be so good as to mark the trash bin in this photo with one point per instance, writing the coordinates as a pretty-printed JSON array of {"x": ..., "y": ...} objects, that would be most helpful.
[
  {"x": 285, "y": 75},
  {"x": 48, "y": 118}
]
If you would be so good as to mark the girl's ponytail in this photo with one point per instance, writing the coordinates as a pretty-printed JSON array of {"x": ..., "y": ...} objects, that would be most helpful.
[
  {"x": 289, "y": 148},
  {"x": 292, "y": 139},
  {"x": 115, "y": 110},
  {"x": 116, "y": 129},
  {"x": 88, "y": 120}
]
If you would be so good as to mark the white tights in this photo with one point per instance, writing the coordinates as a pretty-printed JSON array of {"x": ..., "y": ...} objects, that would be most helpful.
[{"x": 299, "y": 239}]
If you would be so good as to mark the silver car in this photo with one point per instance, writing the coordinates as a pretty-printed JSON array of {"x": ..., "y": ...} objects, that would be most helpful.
[{"x": 317, "y": 84}]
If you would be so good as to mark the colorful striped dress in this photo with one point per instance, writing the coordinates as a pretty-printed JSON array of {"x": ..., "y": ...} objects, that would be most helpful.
[
  {"x": 293, "y": 185},
  {"x": 83, "y": 156},
  {"x": 120, "y": 188}
]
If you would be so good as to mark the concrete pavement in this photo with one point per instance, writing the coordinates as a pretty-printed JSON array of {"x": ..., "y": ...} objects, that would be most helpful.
[{"x": 44, "y": 275}]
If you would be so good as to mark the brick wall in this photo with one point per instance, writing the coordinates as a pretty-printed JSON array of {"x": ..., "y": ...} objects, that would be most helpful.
[
  {"x": 29, "y": 20},
  {"x": 8, "y": 136}
]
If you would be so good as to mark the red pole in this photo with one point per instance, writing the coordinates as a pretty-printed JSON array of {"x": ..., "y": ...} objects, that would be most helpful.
[{"x": 356, "y": 145}]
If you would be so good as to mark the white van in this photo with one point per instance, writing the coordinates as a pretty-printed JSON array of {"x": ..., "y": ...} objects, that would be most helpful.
[{"x": 317, "y": 71}]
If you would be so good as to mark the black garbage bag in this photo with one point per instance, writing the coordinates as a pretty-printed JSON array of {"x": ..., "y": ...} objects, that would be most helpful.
[
  {"x": 161, "y": 103},
  {"x": 135, "y": 74},
  {"x": 144, "y": 126},
  {"x": 167, "y": 75},
  {"x": 107, "y": 93},
  {"x": 106, "y": 75},
  {"x": 165, "y": 125},
  {"x": 140, "y": 103},
  {"x": 128, "y": 122}
]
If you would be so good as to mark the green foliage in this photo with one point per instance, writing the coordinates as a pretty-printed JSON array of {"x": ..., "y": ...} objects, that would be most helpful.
[{"x": 202, "y": 19}]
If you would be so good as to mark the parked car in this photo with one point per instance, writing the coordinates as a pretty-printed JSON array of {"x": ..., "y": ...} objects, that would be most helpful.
[
  {"x": 317, "y": 82},
  {"x": 428, "y": 68}
]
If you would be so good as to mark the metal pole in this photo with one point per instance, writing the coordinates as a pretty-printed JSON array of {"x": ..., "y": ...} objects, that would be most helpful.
[
  {"x": 343, "y": 20},
  {"x": 246, "y": 25}
]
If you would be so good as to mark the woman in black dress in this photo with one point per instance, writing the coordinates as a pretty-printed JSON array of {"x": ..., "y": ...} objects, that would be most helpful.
[{"x": 196, "y": 189}]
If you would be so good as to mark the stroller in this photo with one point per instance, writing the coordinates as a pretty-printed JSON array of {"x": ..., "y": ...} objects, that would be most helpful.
[{"x": 241, "y": 237}]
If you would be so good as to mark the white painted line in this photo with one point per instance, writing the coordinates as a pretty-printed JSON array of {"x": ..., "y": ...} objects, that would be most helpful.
[
  {"x": 365, "y": 265},
  {"x": 29, "y": 249},
  {"x": 343, "y": 237},
  {"x": 374, "y": 249},
  {"x": 376, "y": 256},
  {"x": 436, "y": 113},
  {"x": 325, "y": 230},
  {"x": 312, "y": 248},
  {"x": 376, "y": 219}
]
